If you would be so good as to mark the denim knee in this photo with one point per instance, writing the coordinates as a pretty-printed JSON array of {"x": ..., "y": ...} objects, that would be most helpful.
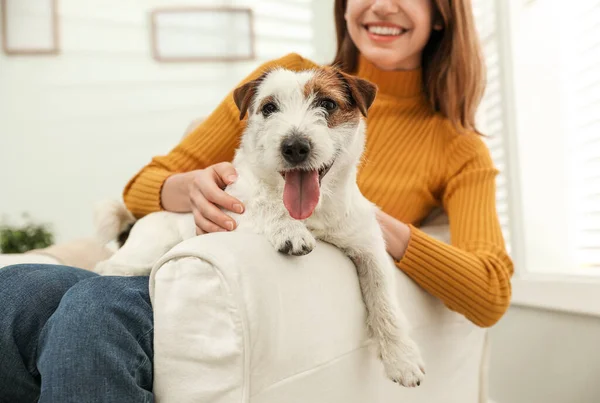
[
  {"x": 32, "y": 292},
  {"x": 108, "y": 302},
  {"x": 48, "y": 278}
]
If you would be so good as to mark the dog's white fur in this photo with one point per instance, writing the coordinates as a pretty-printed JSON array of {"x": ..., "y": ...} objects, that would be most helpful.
[{"x": 343, "y": 216}]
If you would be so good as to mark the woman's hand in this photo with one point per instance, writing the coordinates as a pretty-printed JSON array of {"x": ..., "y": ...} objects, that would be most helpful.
[
  {"x": 201, "y": 192},
  {"x": 206, "y": 195},
  {"x": 395, "y": 233}
]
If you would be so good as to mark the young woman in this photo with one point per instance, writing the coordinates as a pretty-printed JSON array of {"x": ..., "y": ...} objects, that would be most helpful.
[{"x": 89, "y": 338}]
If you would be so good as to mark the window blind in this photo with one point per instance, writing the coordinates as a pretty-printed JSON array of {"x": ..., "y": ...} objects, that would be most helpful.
[{"x": 491, "y": 116}]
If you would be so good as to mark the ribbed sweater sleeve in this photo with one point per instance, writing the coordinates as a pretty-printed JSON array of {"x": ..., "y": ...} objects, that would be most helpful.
[{"x": 472, "y": 274}]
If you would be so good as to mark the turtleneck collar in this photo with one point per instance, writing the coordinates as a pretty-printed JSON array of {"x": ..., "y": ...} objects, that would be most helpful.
[{"x": 397, "y": 83}]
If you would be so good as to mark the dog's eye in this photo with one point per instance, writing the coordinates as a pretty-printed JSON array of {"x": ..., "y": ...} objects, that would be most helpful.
[
  {"x": 268, "y": 109},
  {"x": 328, "y": 104}
]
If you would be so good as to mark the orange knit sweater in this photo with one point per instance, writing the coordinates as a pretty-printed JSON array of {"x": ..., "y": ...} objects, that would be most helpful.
[{"x": 414, "y": 161}]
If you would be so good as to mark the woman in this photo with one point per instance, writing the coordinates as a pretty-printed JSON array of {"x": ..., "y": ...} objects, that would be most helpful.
[{"x": 89, "y": 338}]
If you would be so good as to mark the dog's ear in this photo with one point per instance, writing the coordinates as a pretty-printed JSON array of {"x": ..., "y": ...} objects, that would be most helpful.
[
  {"x": 362, "y": 92},
  {"x": 243, "y": 95}
]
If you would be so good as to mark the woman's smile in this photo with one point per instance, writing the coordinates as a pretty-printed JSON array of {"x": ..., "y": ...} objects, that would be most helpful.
[{"x": 384, "y": 31}]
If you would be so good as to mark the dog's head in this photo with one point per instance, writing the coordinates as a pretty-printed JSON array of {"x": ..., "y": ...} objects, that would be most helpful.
[{"x": 304, "y": 128}]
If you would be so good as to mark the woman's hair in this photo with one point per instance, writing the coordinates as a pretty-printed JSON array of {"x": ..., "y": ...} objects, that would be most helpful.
[{"x": 452, "y": 62}]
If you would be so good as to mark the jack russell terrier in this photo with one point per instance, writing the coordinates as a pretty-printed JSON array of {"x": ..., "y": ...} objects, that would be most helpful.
[{"x": 297, "y": 165}]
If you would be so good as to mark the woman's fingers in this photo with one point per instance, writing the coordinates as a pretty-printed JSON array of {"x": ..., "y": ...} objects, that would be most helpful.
[
  {"x": 203, "y": 225},
  {"x": 225, "y": 174},
  {"x": 218, "y": 196},
  {"x": 215, "y": 215},
  {"x": 207, "y": 196}
]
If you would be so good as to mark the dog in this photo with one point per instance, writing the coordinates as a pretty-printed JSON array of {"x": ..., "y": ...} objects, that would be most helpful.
[{"x": 297, "y": 164}]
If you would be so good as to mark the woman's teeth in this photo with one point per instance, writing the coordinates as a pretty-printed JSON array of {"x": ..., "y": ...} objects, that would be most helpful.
[{"x": 386, "y": 31}]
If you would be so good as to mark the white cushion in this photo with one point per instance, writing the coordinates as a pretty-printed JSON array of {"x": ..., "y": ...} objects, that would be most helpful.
[{"x": 8, "y": 259}]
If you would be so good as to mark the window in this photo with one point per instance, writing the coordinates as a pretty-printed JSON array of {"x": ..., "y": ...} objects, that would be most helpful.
[
  {"x": 550, "y": 157},
  {"x": 541, "y": 111},
  {"x": 583, "y": 125}
]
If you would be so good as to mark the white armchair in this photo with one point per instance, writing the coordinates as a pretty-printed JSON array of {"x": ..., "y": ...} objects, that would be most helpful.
[{"x": 235, "y": 321}]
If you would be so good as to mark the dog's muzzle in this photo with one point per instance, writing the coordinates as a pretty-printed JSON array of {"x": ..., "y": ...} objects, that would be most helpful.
[{"x": 295, "y": 149}]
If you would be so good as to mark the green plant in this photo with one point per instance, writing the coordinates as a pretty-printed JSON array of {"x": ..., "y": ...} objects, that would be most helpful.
[{"x": 20, "y": 239}]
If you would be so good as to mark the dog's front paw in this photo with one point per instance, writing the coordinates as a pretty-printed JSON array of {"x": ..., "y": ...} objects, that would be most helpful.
[
  {"x": 297, "y": 242},
  {"x": 403, "y": 364}
]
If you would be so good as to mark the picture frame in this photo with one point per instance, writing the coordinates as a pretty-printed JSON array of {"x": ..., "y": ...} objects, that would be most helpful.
[
  {"x": 16, "y": 21},
  {"x": 196, "y": 34}
]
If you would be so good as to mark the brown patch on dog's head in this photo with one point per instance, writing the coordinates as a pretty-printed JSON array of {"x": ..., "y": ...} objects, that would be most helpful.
[
  {"x": 243, "y": 95},
  {"x": 352, "y": 95}
]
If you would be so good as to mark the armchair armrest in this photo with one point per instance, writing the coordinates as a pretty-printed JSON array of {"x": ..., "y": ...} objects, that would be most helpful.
[{"x": 235, "y": 321}]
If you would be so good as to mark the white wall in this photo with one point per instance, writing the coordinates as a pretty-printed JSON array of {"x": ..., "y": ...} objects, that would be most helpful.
[
  {"x": 545, "y": 357},
  {"x": 75, "y": 127}
]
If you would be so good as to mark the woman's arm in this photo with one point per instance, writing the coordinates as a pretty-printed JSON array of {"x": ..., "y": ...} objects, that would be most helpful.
[{"x": 472, "y": 275}]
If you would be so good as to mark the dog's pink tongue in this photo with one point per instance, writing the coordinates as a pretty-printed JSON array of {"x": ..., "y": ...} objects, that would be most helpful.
[{"x": 301, "y": 193}]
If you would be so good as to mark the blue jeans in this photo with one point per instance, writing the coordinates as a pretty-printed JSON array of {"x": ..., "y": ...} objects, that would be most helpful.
[{"x": 70, "y": 335}]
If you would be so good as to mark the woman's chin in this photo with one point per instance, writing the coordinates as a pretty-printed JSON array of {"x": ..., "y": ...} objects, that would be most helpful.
[{"x": 390, "y": 59}]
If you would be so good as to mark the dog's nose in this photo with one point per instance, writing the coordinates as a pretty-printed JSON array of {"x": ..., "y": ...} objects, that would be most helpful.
[{"x": 295, "y": 150}]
